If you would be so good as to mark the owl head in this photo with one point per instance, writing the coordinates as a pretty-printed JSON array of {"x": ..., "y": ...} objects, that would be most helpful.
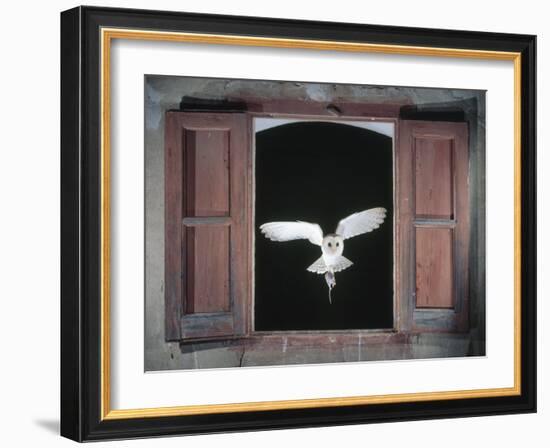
[{"x": 333, "y": 245}]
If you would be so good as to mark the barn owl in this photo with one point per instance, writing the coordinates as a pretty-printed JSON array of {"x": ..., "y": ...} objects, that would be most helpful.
[{"x": 332, "y": 244}]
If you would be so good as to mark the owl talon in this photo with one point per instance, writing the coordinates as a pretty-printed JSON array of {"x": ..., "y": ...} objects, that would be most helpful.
[{"x": 330, "y": 278}]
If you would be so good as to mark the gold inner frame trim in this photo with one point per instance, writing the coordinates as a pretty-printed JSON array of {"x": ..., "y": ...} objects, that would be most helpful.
[{"x": 107, "y": 35}]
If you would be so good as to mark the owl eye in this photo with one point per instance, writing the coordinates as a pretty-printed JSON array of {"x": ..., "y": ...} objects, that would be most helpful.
[
  {"x": 329, "y": 244},
  {"x": 337, "y": 244}
]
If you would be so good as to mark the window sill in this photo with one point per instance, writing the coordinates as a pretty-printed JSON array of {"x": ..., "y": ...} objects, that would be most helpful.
[{"x": 293, "y": 348}]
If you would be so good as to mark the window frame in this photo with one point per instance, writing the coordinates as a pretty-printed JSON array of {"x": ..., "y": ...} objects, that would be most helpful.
[
  {"x": 403, "y": 324},
  {"x": 285, "y": 114}
]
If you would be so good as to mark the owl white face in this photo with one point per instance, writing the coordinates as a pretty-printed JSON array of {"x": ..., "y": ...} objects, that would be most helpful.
[{"x": 333, "y": 245}]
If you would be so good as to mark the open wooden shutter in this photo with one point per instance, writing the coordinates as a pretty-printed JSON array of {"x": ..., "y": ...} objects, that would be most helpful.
[
  {"x": 206, "y": 224},
  {"x": 434, "y": 224}
]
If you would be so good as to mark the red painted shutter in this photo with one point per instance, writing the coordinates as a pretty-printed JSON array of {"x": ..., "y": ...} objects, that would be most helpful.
[
  {"x": 434, "y": 224},
  {"x": 206, "y": 224}
]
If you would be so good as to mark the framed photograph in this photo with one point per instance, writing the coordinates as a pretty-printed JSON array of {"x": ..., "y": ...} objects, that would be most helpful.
[{"x": 273, "y": 224}]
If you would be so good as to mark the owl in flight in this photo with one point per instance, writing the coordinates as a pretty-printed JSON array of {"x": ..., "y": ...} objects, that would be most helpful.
[{"x": 332, "y": 244}]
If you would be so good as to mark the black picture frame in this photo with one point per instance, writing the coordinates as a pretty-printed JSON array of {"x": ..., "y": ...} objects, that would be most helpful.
[{"x": 81, "y": 379}]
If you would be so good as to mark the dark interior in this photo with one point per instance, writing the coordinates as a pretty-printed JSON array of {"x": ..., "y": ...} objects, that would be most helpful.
[{"x": 322, "y": 172}]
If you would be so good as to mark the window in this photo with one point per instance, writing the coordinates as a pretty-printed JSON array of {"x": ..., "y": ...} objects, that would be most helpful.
[
  {"x": 207, "y": 241},
  {"x": 321, "y": 172},
  {"x": 433, "y": 212},
  {"x": 213, "y": 291}
]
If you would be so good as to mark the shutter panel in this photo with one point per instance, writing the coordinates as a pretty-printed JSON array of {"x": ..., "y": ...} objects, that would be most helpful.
[
  {"x": 434, "y": 224},
  {"x": 207, "y": 175}
]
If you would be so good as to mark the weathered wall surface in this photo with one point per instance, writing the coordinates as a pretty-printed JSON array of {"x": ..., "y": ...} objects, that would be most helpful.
[{"x": 165, "y": 93}]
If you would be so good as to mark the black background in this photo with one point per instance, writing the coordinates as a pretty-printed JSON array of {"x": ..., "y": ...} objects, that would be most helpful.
[{"x": 322, "y": 172}]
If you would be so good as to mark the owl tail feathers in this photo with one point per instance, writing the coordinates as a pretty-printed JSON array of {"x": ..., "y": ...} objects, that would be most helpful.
[
  {"x": 340, "y": 264},
  {"x": 318, "y": 267}
]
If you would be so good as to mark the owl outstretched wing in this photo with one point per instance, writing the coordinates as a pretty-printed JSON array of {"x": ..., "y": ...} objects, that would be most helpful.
[
  {"x": 361, "y": 222},
  {"x": 293, "y": 230}
]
